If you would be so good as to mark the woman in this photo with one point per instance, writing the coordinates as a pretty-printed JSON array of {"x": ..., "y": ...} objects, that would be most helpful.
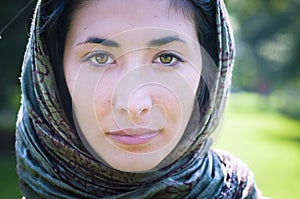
[{"x": 120, "y": 99}]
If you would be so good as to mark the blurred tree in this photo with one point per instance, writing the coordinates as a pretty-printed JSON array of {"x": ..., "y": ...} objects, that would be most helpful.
[
  {"x": 268, "y": 48},
  {"x": 268, "y": 44},
  {"x": 12, "y": 47}
]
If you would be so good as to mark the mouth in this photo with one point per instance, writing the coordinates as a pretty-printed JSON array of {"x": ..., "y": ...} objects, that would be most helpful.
[{"x": 133, "y": 136}]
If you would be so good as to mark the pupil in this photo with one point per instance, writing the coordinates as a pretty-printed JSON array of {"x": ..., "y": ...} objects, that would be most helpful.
[
  {"x": 165, "y": 59},
  {"x": 101, "y": 59}
]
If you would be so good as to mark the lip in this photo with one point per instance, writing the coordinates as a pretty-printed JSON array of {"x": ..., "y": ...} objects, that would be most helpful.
[{"x": 133, "y": 136}]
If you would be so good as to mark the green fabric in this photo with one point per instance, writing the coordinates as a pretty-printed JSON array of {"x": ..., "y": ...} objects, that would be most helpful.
[{"x": 53, "y": 163}]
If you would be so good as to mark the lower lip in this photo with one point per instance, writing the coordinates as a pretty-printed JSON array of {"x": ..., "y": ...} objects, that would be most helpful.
[{"x": 134, "y": 140}]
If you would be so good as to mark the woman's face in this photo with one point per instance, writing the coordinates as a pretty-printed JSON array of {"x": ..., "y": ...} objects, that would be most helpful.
[{"x": 132, "y": 68}]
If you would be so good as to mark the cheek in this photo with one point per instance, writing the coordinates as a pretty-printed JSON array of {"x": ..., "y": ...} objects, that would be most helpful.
[
  {"x": 179, "y": 104},
  {"x": 173, "y": 108},
  {"x": 191, "y": 75},
  {"x": 103, "y": 97},
  {"x": 167, "y": 101},
  {"x": 70, "y": 76},
  {"x": 86, "y": 88}
]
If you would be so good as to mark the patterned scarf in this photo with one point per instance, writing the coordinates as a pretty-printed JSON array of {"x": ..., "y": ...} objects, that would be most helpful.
[{"x": 53, "y": 163}]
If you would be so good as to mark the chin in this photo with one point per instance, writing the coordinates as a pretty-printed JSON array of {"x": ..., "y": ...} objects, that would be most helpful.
[{"x": 134, "y": 162}]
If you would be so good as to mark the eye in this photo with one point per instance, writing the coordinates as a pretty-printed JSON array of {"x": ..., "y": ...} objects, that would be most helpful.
[
  {"x": 168, "y": 59},
  {"x": 99, "y": 59}
]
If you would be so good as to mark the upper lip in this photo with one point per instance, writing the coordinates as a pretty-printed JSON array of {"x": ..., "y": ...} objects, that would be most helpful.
[{"x": 132, "y": 131}]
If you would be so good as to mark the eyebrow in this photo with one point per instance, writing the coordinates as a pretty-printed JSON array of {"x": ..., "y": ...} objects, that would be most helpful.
[
  {"x": 152, "y": 43},
  {"x": 164, "y": 41},
  {"x": 102, "y": 41}
]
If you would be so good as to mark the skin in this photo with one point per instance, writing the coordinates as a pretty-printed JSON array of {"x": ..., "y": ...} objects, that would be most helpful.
[{"x": 132, "y": 78}]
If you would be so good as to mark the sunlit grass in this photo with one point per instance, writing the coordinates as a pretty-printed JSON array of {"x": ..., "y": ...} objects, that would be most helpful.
[
  {"x": 8, "y": 183},
  {"x": 267, "y": 141}
]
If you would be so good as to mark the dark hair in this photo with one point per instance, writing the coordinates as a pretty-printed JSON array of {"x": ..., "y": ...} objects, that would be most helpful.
[
  {"x": 56, "y": 19},
  {"x": 203, "y": 13}
]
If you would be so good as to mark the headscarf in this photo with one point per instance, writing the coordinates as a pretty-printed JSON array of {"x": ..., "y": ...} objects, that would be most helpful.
[{"x": 52, "y": 162}]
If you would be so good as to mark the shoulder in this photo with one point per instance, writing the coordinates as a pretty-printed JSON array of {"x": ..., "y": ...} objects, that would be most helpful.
[
  {"x": 232, "y": 164},
  {"x": 239, "y": 179}
]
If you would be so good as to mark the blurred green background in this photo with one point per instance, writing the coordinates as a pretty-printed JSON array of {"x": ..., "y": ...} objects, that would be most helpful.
[{"x": 262, "y": 122}]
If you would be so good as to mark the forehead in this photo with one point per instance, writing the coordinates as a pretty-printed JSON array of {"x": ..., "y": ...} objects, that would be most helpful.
[{"x": 106, "y": 18}]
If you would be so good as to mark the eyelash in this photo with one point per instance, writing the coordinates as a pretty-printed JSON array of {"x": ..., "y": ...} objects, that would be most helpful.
[
  {"x": 172, "y": 55},
  {"x": 91, "y": 58},
  {"x": 93, "y": 55}
]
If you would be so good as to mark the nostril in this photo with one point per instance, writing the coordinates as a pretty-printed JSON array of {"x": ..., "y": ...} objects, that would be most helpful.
[
  {"x": 138, "y": 113},
  {"x": 143, "y": 111},
  {"x": 135, "y": 105}
]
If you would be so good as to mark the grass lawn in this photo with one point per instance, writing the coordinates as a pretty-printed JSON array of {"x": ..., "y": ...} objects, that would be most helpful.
[
  {"x": 267, "y": 141},
  {"x": 8, "y": 183}
]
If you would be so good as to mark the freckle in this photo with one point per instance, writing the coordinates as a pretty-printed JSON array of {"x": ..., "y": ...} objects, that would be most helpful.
[
  {"x": 155, "y": 16},
  {"x": 85, "y": 28}
]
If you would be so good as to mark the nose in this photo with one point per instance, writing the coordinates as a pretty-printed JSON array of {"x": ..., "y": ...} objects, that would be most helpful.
[
  {"x": 136, "y": 105},
  {"x": 132, "y": 94}
]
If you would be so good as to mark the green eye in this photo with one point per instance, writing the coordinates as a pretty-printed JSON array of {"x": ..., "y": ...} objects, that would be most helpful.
[
  {"x": 168, "y": 59},
  {"x": 99, "y": 59}
]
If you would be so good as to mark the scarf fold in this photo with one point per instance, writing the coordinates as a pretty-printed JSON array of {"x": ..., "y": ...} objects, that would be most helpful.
[{"x": 53, "y": 163}]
